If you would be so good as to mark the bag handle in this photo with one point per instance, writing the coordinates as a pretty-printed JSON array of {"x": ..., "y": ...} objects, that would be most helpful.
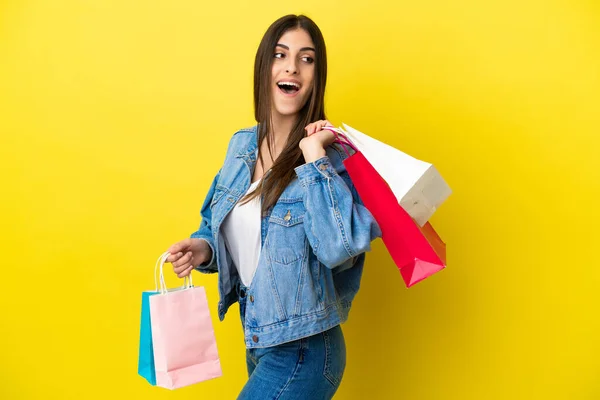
[
  {"x": 342, "y": 139},
  {"x": 187, "y": 280}
]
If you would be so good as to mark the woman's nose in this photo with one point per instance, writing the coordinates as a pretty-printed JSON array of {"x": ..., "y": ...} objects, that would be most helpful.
[{"x": 291, "y": 68}]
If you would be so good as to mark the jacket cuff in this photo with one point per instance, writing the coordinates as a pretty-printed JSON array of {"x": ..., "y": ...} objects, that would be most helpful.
[
  {"x": 315, "y": 171},
  {"x": 207, "y": 267}
]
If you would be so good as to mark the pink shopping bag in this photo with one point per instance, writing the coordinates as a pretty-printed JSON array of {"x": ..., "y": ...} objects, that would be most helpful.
[{"x": 185, "y": 348}]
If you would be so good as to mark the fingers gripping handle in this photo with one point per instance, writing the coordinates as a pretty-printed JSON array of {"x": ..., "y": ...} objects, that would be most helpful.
[{"x": 160, "y": 262}]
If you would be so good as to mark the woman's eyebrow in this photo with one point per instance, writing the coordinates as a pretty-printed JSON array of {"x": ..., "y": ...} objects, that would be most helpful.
[{"x": 302, "y": 49}]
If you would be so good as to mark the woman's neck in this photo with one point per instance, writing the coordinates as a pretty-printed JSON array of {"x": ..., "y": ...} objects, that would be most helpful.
[{"x": 281, "y": 126}]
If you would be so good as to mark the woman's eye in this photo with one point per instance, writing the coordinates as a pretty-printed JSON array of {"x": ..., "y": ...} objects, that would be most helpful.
[
  {"x": 309, "y": 60},
  {"x": 279, "y": 55}
]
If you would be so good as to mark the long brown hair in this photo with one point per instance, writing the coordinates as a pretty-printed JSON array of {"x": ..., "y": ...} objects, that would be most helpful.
[{"x": 282, "y": 172}]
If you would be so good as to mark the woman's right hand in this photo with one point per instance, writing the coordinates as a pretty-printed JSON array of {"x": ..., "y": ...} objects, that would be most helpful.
[{"x": 188, "y": 254}]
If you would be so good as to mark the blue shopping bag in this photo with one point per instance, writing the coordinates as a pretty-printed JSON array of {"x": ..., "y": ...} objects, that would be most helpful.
[{"x": 146, "y": 351}]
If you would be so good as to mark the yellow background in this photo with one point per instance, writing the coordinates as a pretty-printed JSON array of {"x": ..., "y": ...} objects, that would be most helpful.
[{"x": 115, "y": 115}]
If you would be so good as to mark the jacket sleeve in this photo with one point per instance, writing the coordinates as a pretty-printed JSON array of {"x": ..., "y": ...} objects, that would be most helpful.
[
  {"x": 204, "y": 232},
  {"x": 337, "y": 224}
]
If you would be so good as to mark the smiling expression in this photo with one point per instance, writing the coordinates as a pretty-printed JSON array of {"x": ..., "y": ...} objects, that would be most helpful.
[{"x": 293, "y": 72}]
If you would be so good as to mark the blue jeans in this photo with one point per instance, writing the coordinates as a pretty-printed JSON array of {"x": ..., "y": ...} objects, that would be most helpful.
[{"x": 310, "y": 368}]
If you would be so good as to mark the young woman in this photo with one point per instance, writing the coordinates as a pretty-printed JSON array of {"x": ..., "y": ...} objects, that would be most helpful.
[{"x": 284, "y": 227}]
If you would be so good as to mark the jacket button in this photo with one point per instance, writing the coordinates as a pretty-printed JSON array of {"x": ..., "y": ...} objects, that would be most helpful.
[
  {"x": 255, "y": 339},
  {"x": 323, "y": 167},
  {"x": 252, "y": 298}
]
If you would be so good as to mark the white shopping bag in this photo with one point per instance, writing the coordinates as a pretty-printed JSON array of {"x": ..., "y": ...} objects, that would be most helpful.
[{"x": 418, "y": 186}]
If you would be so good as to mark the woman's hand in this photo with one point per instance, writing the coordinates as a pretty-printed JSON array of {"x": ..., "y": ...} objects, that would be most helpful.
[
  {"x": 188, "y": 254},
  {"x": 316, "y": 126},
  {"x": 316, "y": 140}
]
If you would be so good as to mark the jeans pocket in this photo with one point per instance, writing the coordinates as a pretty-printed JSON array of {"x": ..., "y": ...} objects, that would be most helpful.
[{"x": 335, "y": 355}]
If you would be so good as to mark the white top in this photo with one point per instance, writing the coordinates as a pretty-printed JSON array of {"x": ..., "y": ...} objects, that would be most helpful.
[{"x": 241, "y": 230}]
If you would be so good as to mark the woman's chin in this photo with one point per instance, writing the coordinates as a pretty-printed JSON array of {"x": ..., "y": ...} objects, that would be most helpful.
[{"x": 287, "y": 111}]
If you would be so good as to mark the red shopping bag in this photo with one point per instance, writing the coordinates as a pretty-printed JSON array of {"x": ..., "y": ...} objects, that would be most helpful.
[{"x": 418, "y": 252}]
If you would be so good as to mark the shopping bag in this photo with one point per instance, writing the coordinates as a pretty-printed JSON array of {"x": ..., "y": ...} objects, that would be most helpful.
[
  {"x": 417, "y": 251},
  {"x": 417, "y": 271},
  {"x": 182, "y": 334},
  {"x": 146, "y": 354},
  {"x": 416, "y": 184}
]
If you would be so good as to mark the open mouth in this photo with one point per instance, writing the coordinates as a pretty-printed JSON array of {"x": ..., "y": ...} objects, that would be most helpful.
[{"x": 288, "y": 87}]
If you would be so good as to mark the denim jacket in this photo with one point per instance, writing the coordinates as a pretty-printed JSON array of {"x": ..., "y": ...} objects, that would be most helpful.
[{"x": 313, "y": 240}]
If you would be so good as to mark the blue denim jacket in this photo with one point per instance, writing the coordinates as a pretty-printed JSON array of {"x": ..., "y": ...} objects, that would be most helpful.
[{"x": 313, "y": 239}]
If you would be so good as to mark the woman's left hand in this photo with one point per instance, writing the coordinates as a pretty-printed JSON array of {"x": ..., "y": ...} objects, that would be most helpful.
[
  {"x": 316, "y": 126},
  {"x": 316, "y": 137}
]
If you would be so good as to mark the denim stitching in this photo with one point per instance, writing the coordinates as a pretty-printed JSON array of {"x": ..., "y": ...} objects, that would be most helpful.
[
  {"x": 298, "y": 363},
  {"x": 274, "y": 290},
  {"x": 338, "y": 219},
  {"x": 327, "y": 368}
]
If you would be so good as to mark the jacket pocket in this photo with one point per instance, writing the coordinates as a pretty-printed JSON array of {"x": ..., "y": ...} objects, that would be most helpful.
[{"x": 286, "y": 237}]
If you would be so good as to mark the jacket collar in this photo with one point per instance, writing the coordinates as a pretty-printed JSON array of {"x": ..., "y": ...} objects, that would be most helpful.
[{"x": 250, "y": 152}]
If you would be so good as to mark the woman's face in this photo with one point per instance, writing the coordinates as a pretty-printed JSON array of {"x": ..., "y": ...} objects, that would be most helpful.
[{"x": 293, "y": 72}]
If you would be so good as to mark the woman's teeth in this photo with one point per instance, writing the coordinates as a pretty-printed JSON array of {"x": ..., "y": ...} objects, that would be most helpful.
[{"x": 288, "y": 87}]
